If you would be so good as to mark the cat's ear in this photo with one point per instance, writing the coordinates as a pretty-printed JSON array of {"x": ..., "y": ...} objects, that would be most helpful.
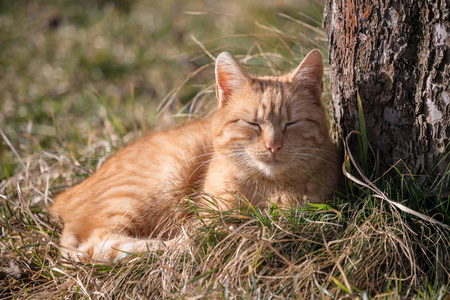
[
  {"x": 229, "y": 76},
  {"x": 310, "y": 71}
]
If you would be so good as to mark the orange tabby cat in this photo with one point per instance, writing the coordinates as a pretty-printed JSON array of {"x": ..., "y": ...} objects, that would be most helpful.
[{"x": 268, "y": 139}]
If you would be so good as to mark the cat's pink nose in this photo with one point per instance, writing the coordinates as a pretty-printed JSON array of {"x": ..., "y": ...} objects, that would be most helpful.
[{"x": 274, "y": 146}]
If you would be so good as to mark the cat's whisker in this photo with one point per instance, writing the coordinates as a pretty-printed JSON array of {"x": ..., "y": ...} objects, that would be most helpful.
[
  {"x": 210, "y": 160},
  {"x": 243, "y": 160},
  {"x": 301, "y": 155},
  {"x": 240, "y": 163},
  {"x": 202, "y": 155},
  {"x": 214, "y": 152},
  {"x": 319, "y": 150},
  {"x": 222, "y": 146}
]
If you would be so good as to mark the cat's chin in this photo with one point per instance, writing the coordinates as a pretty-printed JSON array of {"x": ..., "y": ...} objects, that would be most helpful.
[{"x": 271, "y": 168}]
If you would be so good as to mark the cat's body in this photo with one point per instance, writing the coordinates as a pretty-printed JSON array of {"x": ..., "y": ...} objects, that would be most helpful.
[{"x": 268, "y": 140}]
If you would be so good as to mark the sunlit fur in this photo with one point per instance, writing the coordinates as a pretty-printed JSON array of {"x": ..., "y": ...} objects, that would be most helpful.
[{"x": 267, "y": 141}]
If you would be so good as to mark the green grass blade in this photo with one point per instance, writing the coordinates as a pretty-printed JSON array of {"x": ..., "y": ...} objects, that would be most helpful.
[{"x": 362, "y": 128}]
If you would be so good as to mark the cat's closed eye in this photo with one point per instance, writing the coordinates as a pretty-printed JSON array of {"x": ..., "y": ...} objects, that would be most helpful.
[
  {"x": 252, "y": 124},
  {"x": 290, "y": 125}
]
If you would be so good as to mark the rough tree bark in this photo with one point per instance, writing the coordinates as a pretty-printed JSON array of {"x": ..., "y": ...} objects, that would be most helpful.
[{"x": 396, "y": 53}]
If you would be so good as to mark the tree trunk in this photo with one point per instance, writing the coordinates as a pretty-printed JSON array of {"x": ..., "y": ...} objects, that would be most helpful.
[{"x": 396, "y": 53}]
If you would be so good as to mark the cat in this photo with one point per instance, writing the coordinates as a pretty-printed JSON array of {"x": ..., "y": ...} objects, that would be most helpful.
[{"x": 268, "y": 141}]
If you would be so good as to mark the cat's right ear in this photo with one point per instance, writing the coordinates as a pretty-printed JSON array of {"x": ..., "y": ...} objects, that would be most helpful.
[{"x": 229, "y": 76}]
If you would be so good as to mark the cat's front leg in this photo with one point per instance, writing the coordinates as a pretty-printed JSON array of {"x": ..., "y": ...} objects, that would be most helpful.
[
  {"x": 293, "y": 199},
  {"x": 219, "y": 200}
]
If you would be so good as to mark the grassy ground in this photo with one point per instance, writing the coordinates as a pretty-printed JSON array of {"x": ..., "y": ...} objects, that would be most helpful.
[{"x": 80, "y": 79}]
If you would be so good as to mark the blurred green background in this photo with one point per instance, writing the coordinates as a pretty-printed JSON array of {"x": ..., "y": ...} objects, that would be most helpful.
[{"x": 84, "y": 77}]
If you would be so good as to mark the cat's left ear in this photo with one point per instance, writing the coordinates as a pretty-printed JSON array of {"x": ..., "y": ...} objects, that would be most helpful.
[
  {"x": 230, "y": 76},
  {"x": 310, "y": 71}
]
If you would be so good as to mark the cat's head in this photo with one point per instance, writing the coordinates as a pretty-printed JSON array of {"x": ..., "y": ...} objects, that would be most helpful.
[{"x": 271, "y": 124}]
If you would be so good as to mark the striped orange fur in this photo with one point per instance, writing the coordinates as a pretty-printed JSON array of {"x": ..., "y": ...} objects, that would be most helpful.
[{"x": 268, "y": 140}]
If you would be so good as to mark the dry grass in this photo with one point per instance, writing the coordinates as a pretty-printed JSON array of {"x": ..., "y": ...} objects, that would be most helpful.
[{"x": 358, "y": 246}]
